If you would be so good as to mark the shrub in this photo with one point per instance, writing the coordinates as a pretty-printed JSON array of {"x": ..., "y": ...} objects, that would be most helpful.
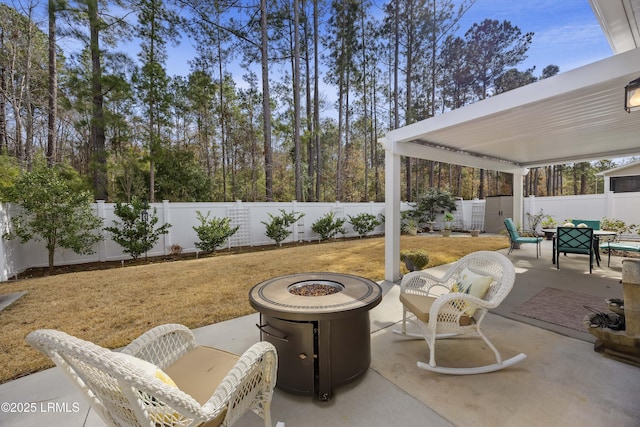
[
  {"x": 54, "y": 210},
  {"x": 432, "y": 202},
  {"x": 364, "y": 223},
  {"x": 414, "y": 259},
  {"x": 328, "y": 226},
  {"x": 278, "y": 227},
  {"x": 136, "y": 233},
  {"x": 617, "y": 225},
  {"x": 213, "y": 232}
]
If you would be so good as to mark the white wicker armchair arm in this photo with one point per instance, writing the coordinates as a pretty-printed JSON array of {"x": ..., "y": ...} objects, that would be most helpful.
[
  {"x": 421, "y": 282},
  {"x": 254, "y": 373},
  {"x": 448, "y": 308},
  {"x": 162, "y": 345},
  {"x": 261, "y": 358}
]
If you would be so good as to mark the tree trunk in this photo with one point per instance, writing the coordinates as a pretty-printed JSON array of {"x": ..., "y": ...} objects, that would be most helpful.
[
  {"x": 396, "y": 62},
  {"x": 309, "y": 108},
  {"x": 340, "y": 130},
  {"x": 296, "y": 99},
  {"x": 365, "y": 111},
  {"x": 4, "y": 145},
  {"x": 266, "y": 106},
  {"x": 53, "y": 86},
  {"x": 316, "y": 100},
  {"x": 97, "y": 121},
  {"x": 28, "y": 97}
]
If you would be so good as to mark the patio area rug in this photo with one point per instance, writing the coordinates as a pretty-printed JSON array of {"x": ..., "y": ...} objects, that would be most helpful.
[{"x": 560, "y": 307}]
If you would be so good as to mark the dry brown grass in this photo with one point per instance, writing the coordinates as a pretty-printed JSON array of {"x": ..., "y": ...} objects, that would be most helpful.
[{"x": 112, "y": 307}]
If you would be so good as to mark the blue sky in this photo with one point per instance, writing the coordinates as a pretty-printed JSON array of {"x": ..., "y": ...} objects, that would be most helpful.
[{"x": 567, "y": 33}]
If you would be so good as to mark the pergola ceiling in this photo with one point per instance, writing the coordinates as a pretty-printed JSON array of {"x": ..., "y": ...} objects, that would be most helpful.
[
  {"x": 618, "y": 19},
  {"x": 574, "y": 116}
]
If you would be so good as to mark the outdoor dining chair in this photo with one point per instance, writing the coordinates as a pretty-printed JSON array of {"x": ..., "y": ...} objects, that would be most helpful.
[
  {"x": 515, "y": 237},
  {"x": 164, "y": 379},
  {"x": 595, "y": 224},
  {"x": 574, "y": 240},
  {"x": 474, "y": 284}
]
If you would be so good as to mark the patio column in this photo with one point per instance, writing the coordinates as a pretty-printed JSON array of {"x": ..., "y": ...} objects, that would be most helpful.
[
  {"x": 518, "y": 198},
  {"x": 391, "y": 212}
]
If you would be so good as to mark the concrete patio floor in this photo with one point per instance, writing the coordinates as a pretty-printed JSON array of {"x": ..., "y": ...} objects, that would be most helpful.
[{"x": 563, "y": 381}]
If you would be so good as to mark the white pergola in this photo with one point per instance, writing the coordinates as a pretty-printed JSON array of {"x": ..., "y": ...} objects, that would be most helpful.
[{"x": 574, "y": 116}]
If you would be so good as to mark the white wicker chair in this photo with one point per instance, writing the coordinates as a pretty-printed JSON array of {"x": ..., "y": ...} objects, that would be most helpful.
[
  {"x": 439, "y": 313},
  {"x": 214, "y": 387}
]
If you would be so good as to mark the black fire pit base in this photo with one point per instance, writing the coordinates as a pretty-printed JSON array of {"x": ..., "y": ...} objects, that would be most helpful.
[
  {"x": 316, "y": 356},
  {"x": 322, "y": 341}
]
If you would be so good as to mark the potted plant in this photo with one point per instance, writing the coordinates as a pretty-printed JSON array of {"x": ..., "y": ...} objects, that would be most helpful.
[
  {"x": 535, "y": 220},
  {"x": 548, "y": 222},
  {"x": 414, "y": 260},
  {"x": 410, "y": 222},
  {"x": 412, "y": 226},
  {"x": 448, "y": 224}
]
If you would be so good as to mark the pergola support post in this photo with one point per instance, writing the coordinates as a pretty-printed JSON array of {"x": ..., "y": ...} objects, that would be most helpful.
[
  {"x": 518, "y": 198},
  {"x": 391, "y": 213}
]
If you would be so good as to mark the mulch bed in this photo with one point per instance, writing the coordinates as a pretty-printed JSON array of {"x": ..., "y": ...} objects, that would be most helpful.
[{"x": 105, "y": 265}]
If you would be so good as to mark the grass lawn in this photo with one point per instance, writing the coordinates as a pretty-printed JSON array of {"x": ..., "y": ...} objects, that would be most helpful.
[{"x": 112, "y": 307}]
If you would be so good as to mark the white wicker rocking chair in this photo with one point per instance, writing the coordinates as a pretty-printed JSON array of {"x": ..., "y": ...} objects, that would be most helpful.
[
  {"x": 211, "y": 387},
  {"x": 444, "y": 315}
]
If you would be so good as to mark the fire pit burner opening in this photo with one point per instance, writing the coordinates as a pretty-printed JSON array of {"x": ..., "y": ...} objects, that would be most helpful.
[{"x": 315, "y": 288}]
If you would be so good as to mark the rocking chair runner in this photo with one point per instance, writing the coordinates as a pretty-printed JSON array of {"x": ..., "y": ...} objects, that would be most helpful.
[
  {"x": 164, "y": 379},
  {"x": 473, "y": 285}
]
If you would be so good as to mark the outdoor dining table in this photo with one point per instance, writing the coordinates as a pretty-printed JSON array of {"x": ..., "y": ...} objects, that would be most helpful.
[{"x": 596, "y": 241}]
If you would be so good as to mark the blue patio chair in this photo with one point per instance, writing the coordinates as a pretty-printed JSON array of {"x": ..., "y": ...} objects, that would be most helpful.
[
  {"x": 515, "y": 237},
  {"x": 574, "y": 240}
]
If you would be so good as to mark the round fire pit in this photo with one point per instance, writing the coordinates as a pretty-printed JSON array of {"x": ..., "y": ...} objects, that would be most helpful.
[{"x": 319, "y": 324}]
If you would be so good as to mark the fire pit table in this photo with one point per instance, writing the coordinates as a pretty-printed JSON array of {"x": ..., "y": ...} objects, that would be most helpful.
[{"x": 319, "y": 324}]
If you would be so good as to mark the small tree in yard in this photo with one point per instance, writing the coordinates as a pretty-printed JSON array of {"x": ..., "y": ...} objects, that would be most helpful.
[
  {"x": 213, "y": 232},
  {"x": 55, "y": 210},
  {"x": 328, "y": 226},
  {"x": 364, "y": 223},
  {"x": 278, "y": 228},
  {"x": 136, "y": 233}
]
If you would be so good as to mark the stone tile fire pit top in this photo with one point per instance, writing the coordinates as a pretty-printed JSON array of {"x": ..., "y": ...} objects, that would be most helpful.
[{"x": 351, "y": 293}]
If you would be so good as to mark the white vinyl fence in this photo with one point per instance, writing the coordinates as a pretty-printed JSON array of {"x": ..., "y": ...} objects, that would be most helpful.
[
  {"x": 620, "y": 206},
  {"x": 16, "y": 257}
]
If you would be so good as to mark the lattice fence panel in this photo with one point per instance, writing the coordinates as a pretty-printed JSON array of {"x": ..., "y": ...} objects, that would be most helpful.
[{"x": 240, "y": 217}]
